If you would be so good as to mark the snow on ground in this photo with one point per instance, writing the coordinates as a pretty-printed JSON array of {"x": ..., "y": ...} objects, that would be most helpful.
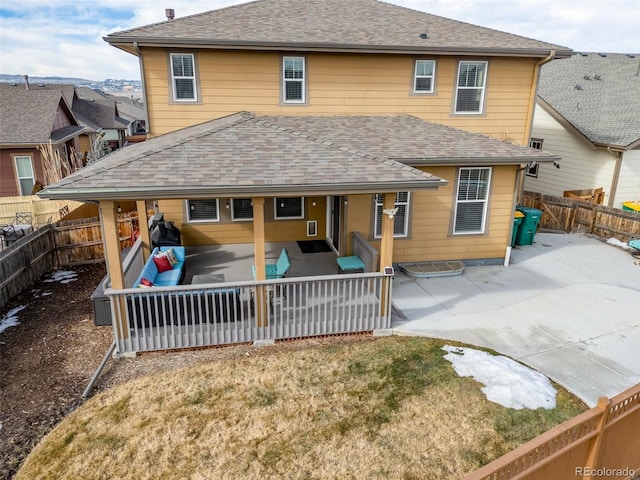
[
  {"x": 617, "y": 243},
  {"x": 62, "y": 276},
  {"x": 10, "y": 319},
  {"x": 506, "y": 381}
]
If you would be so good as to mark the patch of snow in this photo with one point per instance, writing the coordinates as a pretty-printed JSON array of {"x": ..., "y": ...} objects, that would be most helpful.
[
  {"x": 617, "y": 243},
  {"x": 63, "y": 276},
  {"x": 37, "y": 293},
  {"x": 506, "y": 381},
  {"x": 10, "y": 319}
]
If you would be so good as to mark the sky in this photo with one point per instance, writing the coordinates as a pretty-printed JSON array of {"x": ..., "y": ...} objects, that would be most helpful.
[{"x": 64, "y": 37}]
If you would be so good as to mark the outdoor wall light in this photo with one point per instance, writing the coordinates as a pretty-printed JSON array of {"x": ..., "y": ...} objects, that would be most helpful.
[
  {"x": 227, "y": 204},
  {"x": 390, "y": 211},
  {"x": 313, "y": 203}
]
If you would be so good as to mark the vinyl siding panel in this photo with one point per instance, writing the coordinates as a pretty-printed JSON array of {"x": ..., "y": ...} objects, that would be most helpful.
[
  {"x": 629, "y": 182},
  {"x": 582, "y": 167},
  {"x": 347, "y": 84}
]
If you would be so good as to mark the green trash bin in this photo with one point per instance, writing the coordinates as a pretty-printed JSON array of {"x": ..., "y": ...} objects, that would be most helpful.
[
  {"x": 517, "y": 221},
  {"x": 529, "y": 225}
]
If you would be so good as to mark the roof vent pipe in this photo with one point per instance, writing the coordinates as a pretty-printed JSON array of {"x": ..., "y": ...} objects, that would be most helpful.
[
  {"x": 170, "y": 13},
  {"x": 26, "y": 81}
]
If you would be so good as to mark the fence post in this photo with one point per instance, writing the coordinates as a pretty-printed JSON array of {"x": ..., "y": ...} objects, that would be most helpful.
[{"x": 593, "y": 454}]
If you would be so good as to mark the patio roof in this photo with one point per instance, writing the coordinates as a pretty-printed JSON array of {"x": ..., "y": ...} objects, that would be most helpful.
[{"x": 250, "y": 155}]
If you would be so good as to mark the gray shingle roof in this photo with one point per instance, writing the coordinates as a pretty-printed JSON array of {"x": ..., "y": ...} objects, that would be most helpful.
[
  {"x": 599, "y": 95},
  {"x": 330, "y": 24},
  {"x": 100, "y": 112},
  {"x": 28, "y": 115},
  {"x": 245, "y": 154}
]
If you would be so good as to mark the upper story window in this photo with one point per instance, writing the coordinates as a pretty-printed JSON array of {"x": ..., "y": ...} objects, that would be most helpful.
[
  {"x": 288, "y": 207},
  {"x": 204, "y": 210},
  {"x": 472, "y": 77},
  {"x": 400, "y": 219},
  {"x": 24, "y": 173},
  {"x": 472, "y": 199},
  {"x": 532, "y": 170},
  {"x": 424, "y": 76},
  {"x": 293, "y": 80},
  {"x": 183, "y": 77}
]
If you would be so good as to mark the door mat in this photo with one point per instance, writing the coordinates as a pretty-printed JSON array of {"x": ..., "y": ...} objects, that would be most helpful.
[{"x": 313, "y": 246}]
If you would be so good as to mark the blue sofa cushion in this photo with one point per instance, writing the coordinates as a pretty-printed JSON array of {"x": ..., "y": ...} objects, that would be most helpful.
[{"x": 163, "y": 279}]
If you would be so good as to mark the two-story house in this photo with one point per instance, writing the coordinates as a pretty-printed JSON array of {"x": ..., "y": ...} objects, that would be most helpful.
[
  {"x": 588, "y": 112},
  {"x": 279, "y": 120},
  {"x": 30, "y": 117}
]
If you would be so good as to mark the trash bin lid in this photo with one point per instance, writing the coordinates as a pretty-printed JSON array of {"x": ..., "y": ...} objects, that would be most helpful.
[{"x": 518, "y": 214}]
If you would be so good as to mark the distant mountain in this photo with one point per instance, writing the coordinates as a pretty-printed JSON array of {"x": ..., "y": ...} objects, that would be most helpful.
[
  {"x": 109, "y": 85},
  {"x": 4, "y": 78}
]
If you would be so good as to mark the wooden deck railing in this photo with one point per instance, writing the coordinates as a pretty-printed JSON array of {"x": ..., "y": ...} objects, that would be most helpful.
[
  {"x": 600, "y": 443},
  {"x": 186, "y": 316}
]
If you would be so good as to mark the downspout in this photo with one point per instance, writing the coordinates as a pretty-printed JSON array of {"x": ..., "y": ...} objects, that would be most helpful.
[
  {"x": 144, "y": 89},
  {"x": 616, "y": 176},
  {"x": 519, "y": 185}
]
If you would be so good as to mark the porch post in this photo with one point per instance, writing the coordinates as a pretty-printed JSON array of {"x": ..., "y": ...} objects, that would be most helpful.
[
  {"x": 260, "y": 262},
  {"x": 386, "y": 247},
  {"x": 111, "y": 242},
  {"x": 143, "y": 227}
]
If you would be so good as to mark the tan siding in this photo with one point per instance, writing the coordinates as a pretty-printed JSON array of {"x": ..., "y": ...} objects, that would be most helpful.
[
  {"x": 430, "y": 221},
  {"x": 227, "y": 231},
  {"x": 339, "y": 84}
]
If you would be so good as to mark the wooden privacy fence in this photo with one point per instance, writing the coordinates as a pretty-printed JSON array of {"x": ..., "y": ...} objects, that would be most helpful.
[
  {"x": 574, "y": 215},
  {"x": 42, "y": 211},
  {"x": 66, "y": 243},
  {"x": 600, "y": 443}
]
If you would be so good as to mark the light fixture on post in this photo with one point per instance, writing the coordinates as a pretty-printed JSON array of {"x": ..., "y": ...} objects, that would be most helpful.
[{"x": 390, "y": 211}]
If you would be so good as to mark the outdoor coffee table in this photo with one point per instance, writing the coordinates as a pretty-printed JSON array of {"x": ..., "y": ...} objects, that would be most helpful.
[{"x": 207, "y": 278}]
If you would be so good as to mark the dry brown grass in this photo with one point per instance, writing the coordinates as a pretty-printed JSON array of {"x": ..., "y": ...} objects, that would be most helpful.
[{"x": 390, "y": 408}]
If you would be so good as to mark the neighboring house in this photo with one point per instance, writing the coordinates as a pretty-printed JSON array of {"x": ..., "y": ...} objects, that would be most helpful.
[
  {"x": 408, "y": 128},
  {"x": 588, "y": 113},
  {"x": 31, "y": 117}
]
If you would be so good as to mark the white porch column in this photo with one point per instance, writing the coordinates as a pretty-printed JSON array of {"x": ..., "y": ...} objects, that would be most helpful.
[{"x": 386, "y": 246}]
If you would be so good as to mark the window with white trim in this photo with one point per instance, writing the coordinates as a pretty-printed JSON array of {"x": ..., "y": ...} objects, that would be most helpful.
[
  {"x": 203, "y": 210},
  {"x": 288, "y": 207},
  {"x": 241, "y": 209},
  {"x": 470, "y": 87},
  {"x": 424, "y": 76},
  {"x": 24, "y": 172},
  {"x": 400, "y": 219},
  {"x": 183, "y": 77},
  {"x": 293, "y": 78},
  {"x": 471, "y": 200},
  {"x": 532, "y": 170}
]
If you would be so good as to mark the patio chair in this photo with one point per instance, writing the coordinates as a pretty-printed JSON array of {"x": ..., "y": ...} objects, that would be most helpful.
[
  {"x": 24, "y": 218},
  {"x": 278, "y": 269},
  {"x": 8, "y": 234}
]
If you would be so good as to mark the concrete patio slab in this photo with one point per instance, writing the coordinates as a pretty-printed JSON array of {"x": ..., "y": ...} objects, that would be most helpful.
[{"x": 568, "y": 306}]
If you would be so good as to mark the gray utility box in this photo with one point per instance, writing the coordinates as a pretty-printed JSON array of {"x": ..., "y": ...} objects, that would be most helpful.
[{"x": 101, "y": 304}]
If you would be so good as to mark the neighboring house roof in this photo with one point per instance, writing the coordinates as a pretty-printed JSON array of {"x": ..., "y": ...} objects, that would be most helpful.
[
  {"x": 331, "y": 25},
  {"x": 245, "y": 154},
  {"x": 102, "y": 113},
  {"x": 597, "y": 94},
  {"x": 28, "y": 116}
]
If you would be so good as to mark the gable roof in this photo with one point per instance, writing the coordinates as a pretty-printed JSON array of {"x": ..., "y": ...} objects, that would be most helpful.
[
  {"x": 247, "y": 155},
  {"x": 330, "y": 25},
  {"x": 597, "y": 94},
  {"x": 28, "y": 116}
]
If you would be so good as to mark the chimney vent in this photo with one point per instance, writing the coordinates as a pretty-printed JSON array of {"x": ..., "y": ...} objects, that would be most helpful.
[
  {"x": 26, "y": 81},
  {"x": 170, "y": 13}
]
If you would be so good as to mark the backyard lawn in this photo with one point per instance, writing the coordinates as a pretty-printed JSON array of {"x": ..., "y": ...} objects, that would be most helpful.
[{"x": 387, "y": 408}]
